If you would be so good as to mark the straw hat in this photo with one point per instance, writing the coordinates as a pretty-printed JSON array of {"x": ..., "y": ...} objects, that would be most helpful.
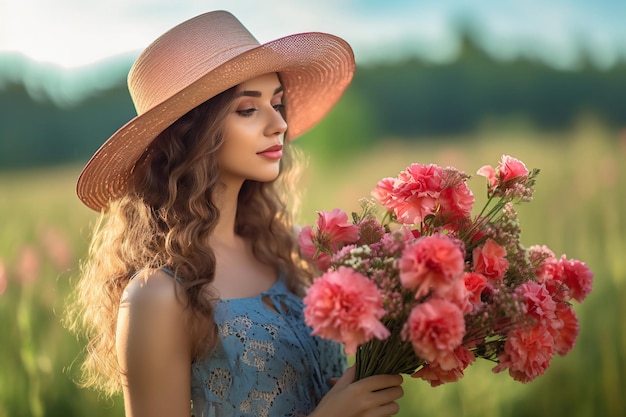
[{"x": 199, "y": 59}]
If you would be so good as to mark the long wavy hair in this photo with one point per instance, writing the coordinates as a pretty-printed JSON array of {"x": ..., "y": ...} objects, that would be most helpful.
[{"x": 165, "y": 222}]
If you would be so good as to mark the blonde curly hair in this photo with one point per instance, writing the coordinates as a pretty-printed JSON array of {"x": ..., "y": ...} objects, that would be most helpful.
[{"x": 165, "y": 222}]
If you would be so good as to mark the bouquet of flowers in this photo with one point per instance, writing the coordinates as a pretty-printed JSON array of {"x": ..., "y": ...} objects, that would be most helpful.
[{"x": 431, "y": 287}]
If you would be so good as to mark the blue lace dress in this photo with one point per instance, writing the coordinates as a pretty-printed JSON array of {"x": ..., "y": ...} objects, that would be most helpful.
[{"x": 266, "y": 362}]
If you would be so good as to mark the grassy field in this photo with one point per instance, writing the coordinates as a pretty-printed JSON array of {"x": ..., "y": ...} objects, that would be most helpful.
[{"x": 578, "y": 209}]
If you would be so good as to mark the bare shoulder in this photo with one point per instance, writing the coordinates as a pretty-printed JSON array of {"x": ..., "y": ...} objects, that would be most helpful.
[
  {"x": 152, "y": 313},
  {"x": 153, "y": 289}
]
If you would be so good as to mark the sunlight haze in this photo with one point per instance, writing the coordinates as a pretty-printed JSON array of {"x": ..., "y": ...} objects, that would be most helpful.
[{"x": 74, "y": 33}]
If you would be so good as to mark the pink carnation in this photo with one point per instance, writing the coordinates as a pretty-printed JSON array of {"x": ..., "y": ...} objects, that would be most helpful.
[
  {"x": 384, "y": 192},
  {"x": 511, "y": 169},
  {"x": 413, "y": 194},
  {"x": 433, "y": 262},
  {"x": 333, "y": 231},
  {"x": 456, "y": 202},
  {"x": 527, "y": 353},
  {"x": 549, "y": 272},
  {"x": 475, "y": 283},
  {"x": 345, "y": 306},
  {"x": 458, "y": 294},
  {"x": 578, "y": 278},
  {"x": 539, "y": 304},
  {"x": 321, "y": 260},
  {"x": 490, "y": 260},
  {"x": 436, "y": 376},
  {"x": 540, "y": 255},
  {"x": 436, "y": 328},
  {"x": 565, "y": 337},
  {"x": 547, "y": 267}
]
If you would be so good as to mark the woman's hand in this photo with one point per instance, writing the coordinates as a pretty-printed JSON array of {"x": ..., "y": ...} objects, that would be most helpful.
[{"x": 374, "y": 396}]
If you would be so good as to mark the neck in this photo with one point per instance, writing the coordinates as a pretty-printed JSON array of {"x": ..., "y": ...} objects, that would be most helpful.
[{"x": 226, "y": 201}]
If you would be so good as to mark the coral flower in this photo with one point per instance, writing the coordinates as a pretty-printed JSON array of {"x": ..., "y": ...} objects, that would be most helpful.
[
  {"x": 539, "y": 304},
  {"x": 511, "y": 169},
  {"x": 527, "y": 354},
  {"x": 458, "y": 294},
  {"x": 490, "y": 260},
  {"x": 436, "y": 376},
  {"x": 345, "y": 306},
  {"x": 436, "y": 328},
  {"x": 549, "y": 272},
  {"x": 384, "y": 192},
  {"x": 413, "y": 195},
  {"x": 333, "y": 231},
  {"x": 475, "y": 283},
  {"x": 578, "y": 278},
  {"x": 546, "y": 264},
  {"x": 509, "y": 172},
  {"x": 307, "y": 246},
  {"x": 456, "y": 202},
  {"x": 433, "y": 262},
  {"x": 565, "y": 338}
]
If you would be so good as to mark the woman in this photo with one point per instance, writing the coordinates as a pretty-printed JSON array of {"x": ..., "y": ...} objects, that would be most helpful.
[{"x": 191, "y": 293}]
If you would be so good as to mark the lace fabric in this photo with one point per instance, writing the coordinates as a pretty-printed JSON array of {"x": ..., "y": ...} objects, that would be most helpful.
[{"x": 266, "y": 362}]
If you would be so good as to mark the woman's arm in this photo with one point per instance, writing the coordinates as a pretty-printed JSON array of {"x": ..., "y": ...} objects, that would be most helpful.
[{"x": 153, "y": 348}]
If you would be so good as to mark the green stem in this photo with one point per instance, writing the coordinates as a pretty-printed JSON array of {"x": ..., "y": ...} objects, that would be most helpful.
[
  {"x": 389, "y": 356},
  {"x": 485, "y": 206}
]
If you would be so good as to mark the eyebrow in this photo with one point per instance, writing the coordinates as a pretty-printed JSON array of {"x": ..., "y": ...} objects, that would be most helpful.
[{"x": 249, "y": 93}]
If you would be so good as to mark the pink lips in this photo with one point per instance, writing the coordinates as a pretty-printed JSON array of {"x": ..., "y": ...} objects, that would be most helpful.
[{"x": 273, "y": 152}]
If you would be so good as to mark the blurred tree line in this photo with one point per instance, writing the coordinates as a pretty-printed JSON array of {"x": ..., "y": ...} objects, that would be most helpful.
[{"x": 404, "y": 100}]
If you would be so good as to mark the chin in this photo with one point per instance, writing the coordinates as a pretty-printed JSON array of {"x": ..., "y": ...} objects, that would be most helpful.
[
  {"x": 265, "y": 176},
  {"x": 269, "y": 178}
]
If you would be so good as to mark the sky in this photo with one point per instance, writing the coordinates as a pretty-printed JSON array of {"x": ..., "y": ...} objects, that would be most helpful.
[
  {"x": 67, "y": 39},
  {"x": 75, "y": 33}
]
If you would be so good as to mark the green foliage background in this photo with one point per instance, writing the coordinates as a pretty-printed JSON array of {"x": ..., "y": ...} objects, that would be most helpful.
[{"x": 403, "y": 100}]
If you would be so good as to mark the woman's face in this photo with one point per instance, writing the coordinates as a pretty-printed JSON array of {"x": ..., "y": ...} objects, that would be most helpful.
[{"x": 254, "y": 132}]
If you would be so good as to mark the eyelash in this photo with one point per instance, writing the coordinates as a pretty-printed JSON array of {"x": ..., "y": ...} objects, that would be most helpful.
[{"x": 249, "y": 112}]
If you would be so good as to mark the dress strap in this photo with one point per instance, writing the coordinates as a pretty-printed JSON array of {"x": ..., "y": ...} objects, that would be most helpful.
[
  {"x": 166, "y": 270},
  {"x": 171, "y": 274}
]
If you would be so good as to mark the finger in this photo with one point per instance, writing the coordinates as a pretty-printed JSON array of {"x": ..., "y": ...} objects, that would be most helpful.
[
  {"x": 380, "y": 382},
  {"x": 388, "y": 409},
  {"x": 383, "y": 403},
  {"x": 388, "y": 395},
  {"x": 346, "y": 379}
]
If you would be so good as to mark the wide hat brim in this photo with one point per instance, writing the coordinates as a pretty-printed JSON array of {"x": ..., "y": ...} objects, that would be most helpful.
[{"x": 315, "y": 69}]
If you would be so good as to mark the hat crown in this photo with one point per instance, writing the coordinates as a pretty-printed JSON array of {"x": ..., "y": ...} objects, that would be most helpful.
[{"x": 184, "y": 54}]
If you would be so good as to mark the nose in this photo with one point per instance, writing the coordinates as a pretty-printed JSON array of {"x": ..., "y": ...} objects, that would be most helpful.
[{"x": 276, "y": 125}]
